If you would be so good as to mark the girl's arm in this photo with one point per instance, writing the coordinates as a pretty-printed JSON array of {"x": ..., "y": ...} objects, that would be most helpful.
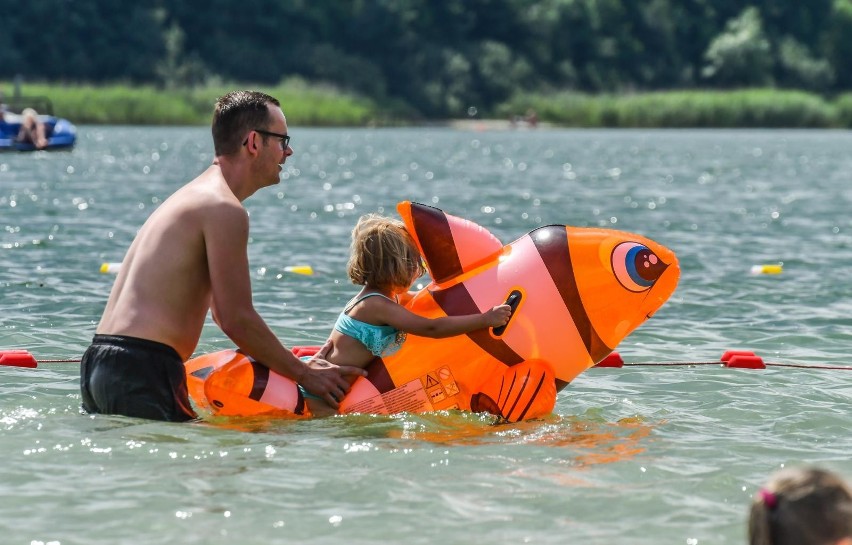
[{"x": 437, "y": 328}]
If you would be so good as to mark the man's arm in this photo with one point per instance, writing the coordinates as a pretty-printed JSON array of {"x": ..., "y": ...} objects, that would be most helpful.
[{"x": 226, "y": 242}]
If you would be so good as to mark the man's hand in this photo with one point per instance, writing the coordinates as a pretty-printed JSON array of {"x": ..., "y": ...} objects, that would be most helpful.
[{"x": 326, "y": 380}]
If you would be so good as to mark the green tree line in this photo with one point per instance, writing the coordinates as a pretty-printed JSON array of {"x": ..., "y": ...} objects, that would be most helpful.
[{"x": 435, "y": 58}]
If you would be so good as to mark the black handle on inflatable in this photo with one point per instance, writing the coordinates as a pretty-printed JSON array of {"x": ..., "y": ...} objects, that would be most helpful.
[{"x": 513, "y": 301}]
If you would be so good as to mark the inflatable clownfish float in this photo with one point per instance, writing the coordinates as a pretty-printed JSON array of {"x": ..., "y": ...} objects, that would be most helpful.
[{"x": 575, "y": 293}]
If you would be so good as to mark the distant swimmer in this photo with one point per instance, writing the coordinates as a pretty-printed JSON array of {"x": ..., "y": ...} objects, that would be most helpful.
[{"x": 32, "y": 129}]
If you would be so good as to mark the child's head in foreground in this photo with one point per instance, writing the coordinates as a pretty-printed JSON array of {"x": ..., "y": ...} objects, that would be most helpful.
[{"x": 802, "y": 506}]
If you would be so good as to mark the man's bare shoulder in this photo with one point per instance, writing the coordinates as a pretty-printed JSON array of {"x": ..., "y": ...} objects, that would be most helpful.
[{"x": 209, "y": 192}]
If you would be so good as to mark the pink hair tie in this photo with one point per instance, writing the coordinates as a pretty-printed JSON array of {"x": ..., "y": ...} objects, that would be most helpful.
[{"x": 768, "y": 498}]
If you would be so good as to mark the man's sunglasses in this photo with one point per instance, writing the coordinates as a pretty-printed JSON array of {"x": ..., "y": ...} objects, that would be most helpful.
[{"x": 284, "y": 138}]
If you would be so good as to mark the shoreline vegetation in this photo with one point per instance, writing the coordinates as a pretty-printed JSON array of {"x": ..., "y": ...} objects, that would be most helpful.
[{"x": 321, "y": 105}]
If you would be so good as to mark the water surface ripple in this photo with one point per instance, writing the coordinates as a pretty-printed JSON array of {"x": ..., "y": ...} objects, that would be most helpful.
[{"x": 640, "y": 455}]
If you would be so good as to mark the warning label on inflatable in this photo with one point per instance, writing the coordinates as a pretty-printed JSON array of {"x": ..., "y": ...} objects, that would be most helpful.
[
  {"x": 409, "y": 398},
  {"x": 417, "y": 396},
  {"x": 439, "y": 385}
]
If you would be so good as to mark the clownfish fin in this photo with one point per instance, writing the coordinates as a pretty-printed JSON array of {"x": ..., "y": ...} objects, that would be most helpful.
[{"x": 450, "y": 245}]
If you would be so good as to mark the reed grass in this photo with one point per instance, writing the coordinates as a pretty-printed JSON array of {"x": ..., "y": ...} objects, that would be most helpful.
[
  {"x": 322, "y": 105},
  {"x": 120, "y": 104},
  {"x": 772, "y": 108},
  {"x": 844, "y": 109}
]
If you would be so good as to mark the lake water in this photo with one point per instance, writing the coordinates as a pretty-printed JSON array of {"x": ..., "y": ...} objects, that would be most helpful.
[{"x": 639, "y": 455}]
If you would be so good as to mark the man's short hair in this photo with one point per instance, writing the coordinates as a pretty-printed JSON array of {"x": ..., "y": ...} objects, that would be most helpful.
[{"x": 235, "y": 115}]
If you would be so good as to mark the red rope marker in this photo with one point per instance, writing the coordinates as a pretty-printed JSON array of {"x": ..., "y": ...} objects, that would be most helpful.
[
  {"x": 17, "y": 358},
  {"x": 732, "y": 359},
  {"x": 612, "y": 360},
  {"x": 745, "y": 361},
  {"x": 726, "y": 357}
]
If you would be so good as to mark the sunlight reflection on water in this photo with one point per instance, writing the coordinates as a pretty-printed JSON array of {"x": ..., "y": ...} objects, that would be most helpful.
[{"x": 647, "y": 455}]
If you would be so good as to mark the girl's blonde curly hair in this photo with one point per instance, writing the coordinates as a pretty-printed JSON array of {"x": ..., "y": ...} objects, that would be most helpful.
[{"x": 382, "y": 254}]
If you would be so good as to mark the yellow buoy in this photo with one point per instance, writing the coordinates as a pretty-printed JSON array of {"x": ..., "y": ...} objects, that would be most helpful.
[
  {"x": 767, "y": 269},
  {"x": 110, "y": 268},
  {"x": 300, "y": 269}
]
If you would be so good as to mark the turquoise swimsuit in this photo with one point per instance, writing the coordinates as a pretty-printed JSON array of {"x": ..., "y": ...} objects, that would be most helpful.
[{"x": 381, "y": 340}]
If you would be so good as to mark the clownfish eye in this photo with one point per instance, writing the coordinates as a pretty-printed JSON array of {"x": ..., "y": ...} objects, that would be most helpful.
[{"x": 636, "y": 267}]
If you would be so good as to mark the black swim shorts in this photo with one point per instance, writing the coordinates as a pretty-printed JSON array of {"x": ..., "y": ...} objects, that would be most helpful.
[{"x": 134, "y": 377}]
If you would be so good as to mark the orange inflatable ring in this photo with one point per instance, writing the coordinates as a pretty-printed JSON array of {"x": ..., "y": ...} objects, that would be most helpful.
[{"x": 576, "y": 293}]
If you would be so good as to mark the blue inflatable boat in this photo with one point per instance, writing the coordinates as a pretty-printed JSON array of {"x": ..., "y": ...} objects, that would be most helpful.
[{"x": 61, "y": 134}]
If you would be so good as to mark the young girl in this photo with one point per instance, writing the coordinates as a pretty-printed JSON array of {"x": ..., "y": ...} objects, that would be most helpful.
[
  {"x": 802, "y": 506},
  {"x": 385, "y": 260}
]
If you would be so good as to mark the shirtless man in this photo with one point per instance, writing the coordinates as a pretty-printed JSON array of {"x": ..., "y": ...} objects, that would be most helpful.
[{"x": 189, "y": 257}]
